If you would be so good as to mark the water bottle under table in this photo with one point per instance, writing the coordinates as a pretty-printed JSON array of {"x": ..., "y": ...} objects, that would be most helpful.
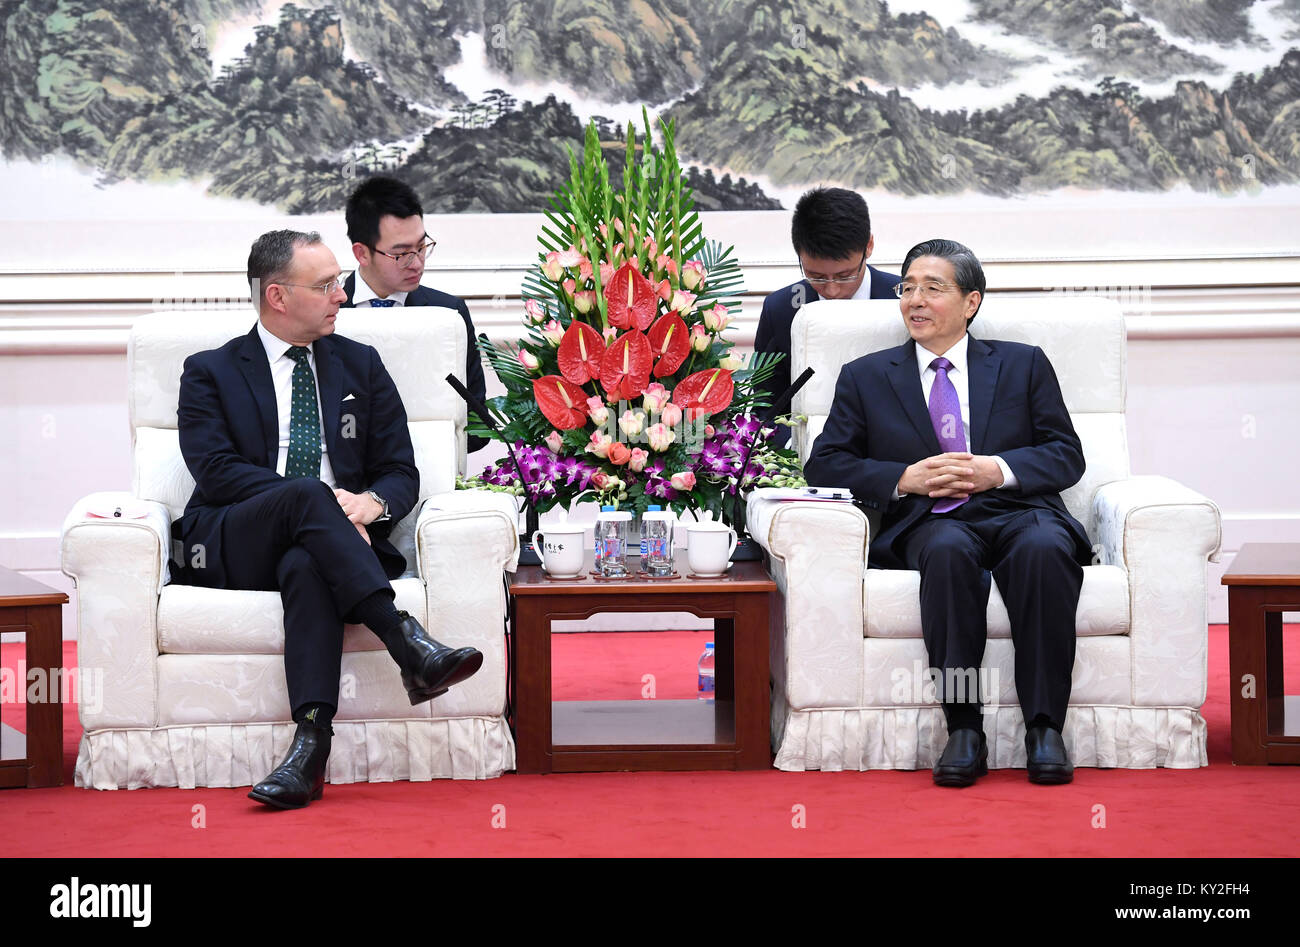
[{"x": 706, "y": 673}]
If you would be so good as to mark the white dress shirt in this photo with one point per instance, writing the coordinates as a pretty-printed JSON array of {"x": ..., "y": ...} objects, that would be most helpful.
[
  {"x": 363, "y": 295},
  {"x": 282, "y": 378},
  {"x": 960, "y": 378}
]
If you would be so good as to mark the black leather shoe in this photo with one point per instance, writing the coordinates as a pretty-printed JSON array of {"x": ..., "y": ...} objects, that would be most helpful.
[
  {"x": 300, "y": 779},
  {"x": 964, "y": 759},
  {"x": 1046, "y": 758},
  {"x": 429, "y": 668}
]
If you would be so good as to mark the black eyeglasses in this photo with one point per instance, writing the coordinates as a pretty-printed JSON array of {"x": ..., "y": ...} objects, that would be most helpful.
[
  {"x": 831, "y": 280},
  {"x": 406, "y": 257}
]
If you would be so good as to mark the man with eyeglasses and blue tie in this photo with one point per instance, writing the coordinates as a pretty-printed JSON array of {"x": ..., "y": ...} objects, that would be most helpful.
[
  {"x": 386, "y": 226},
  {"x": 289, "y": 497},
  {"x": 964, "y": 445},
  {"x": 831, "y": 233}
]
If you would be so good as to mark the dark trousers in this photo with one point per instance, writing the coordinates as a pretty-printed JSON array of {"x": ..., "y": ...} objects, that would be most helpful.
[
  {"x": 296, "y": 539},
  {"x": 1031, "y": 554}
]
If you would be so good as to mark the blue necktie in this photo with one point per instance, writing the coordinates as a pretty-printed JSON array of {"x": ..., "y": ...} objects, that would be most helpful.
[{"x": 382, "y": 303}]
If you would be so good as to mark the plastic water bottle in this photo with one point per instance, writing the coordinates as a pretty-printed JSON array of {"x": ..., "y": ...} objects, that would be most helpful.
[
  {"x": 611, "y": 541},
  {"x": 706, "y": 673},
  {"x": 656, "y": 542}
]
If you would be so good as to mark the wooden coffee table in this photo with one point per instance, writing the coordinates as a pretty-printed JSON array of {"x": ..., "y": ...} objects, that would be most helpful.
[
  {"x": 598, "y": 736},
  {"x": 1263, "y": 582},
  {"x": 35, "y": 610}
]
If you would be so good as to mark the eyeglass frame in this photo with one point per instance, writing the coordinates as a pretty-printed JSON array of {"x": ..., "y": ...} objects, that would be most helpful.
[
  {"x": 900, "y": 286},
  {"x": 401, "y": 258},
  {"x": 836, "y": 280},
  {"x": 332, "y": 286}
]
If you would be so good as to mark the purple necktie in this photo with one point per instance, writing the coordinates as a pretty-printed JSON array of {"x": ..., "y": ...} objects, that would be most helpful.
[
  {"x": 945, "y": 415},
  {"x": 382, "y": 303}
]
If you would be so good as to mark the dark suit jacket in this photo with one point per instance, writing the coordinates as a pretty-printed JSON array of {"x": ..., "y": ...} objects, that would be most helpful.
[
  {"x": 424, "y": 296},
  {"x": 879, "y": 424},
  {"x": 229, "y": 435},
  {"x": 778, "y": 313}
]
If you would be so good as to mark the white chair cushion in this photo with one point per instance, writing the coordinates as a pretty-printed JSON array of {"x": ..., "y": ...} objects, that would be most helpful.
[
  {"x": 893, "y": 604},
  {"x": 194, "y": 620}
]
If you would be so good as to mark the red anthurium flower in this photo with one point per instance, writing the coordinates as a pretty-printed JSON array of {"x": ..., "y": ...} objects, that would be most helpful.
[
  {"x": 670, "y": 343},
  {"x": 580, "y": 353},
  {"x": 631, "y": 298},
  {"x": 625, "y": 369},
  {"x": 704, "y": 393},
  {"x": 563, "y": 402}
]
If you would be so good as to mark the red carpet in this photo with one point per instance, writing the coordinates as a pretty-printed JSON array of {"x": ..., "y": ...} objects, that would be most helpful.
[{"x": 1220, "y": 810}]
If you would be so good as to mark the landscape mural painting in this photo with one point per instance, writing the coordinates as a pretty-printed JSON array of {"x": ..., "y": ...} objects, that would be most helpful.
[{"x": 476, "y": 102}]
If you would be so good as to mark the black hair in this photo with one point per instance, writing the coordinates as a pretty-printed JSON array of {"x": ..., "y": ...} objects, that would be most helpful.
[
  {"x": 374, "y": 198},
  {"x": 830, "y": 222},
  {"x": 966, "y": 266},
  {"x": 271, "y": 257}
]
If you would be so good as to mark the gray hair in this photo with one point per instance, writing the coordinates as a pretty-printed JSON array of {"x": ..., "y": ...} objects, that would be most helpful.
[
  {"x": 271, "y": 257},
  {"x": 967, "y": 269}
]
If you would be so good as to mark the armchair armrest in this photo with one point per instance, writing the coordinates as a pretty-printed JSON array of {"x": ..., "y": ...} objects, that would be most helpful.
[
  {"x": 465, "y": 541},
  {"x": 120, "y": 567},
  {"x": 1163, "y": 534},
  {"x": 818, "y": 556}
]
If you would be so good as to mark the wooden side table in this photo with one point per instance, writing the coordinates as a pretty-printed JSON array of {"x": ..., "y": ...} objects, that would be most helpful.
[
  {"x": 1263, "y": 582},
  {"x": 35, "y": 610},
  {"x": 599, "y": 736}
]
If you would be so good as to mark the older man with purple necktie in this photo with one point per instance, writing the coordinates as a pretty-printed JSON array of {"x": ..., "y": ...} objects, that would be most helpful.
[{"x": 964, "y": 446}]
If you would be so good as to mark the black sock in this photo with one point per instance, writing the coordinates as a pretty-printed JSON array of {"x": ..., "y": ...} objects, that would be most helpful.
[
  {"x": 318, "y": 715},
  {"x": 1042, "y": 720},
  {"x": 377, "y": 612}
]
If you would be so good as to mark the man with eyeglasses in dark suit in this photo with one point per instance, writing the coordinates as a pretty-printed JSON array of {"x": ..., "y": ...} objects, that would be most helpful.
[
  {"x": 290, "y": 498},
  {"x": 831, "y": 233},
  {"x": 386, "y": 226}
]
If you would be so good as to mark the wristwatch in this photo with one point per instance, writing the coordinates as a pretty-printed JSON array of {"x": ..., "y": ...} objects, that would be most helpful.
[{"x": 382, "y": 502}]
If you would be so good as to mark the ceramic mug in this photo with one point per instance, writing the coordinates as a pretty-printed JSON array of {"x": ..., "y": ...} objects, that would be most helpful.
[
  {"x": 563, "y": 551},
  {"x": 709, "y": 547}
]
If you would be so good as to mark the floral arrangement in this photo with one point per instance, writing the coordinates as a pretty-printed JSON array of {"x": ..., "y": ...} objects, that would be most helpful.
[{"x": 623, "y": 389}]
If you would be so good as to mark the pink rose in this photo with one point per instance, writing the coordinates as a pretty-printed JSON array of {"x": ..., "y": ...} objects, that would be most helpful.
[
  {"x": 554, "y": 441},
  {"x": 700, "y": 340},
  {"x": 584, "y": 301},
  {"x": 693, "y": 274},
  {"x": 671, "y": 415},
  {"x": 683, "y": 303},
  {"x": 656, "y": 396},
  {"x": 599, "y": 444},
  {"x": 599, "y": 480},
  {"x": 683, "y": 480},
  {"x": 535, "y": 311},
  {"x": 528, "y": 360},
  {"x": 717, "y": 318},
  {"x": 619, "y": 454},
  {"x": 552, "y": 267},
  {"x": 632, "y": 422},
  {"x": 553, "y": 332},
  {"x": 597, "y": 411},
  {"x": 660, "y": 436},
  {"x": 638, "y": 460}
]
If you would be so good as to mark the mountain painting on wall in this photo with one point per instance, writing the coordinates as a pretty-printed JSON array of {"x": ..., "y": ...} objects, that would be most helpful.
[{"x": 475, "y": 102}]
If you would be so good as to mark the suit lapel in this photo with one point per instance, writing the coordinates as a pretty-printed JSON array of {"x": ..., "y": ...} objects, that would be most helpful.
[
  {"x": 906, "y": 381},
  {"x": 329, "y": 375},
  {"x": 983, "y": 364},
  {"x": 257, "y": 372}
]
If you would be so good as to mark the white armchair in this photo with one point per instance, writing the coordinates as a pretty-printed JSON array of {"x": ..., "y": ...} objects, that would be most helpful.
[
  {"x": 193, "y": 678},
  {"x": 849, "y": 672}
]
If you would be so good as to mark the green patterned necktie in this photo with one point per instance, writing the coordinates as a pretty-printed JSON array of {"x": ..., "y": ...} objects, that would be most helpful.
[{"x": 304, "y": 420}]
